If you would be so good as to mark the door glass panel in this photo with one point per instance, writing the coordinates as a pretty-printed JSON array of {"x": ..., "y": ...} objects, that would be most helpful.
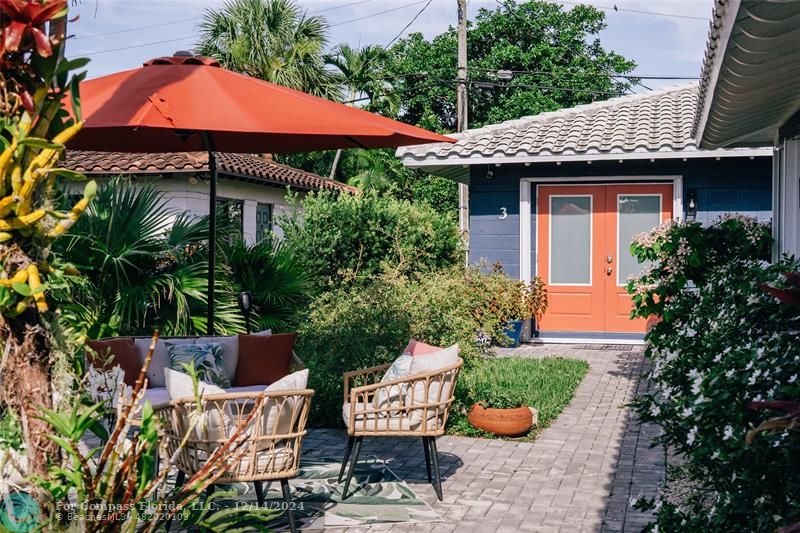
[
  {"x": 570, "y": 240},
  {"x": 636, "y": 213}
]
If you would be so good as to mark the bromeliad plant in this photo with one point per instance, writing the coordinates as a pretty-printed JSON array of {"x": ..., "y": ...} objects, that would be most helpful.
[
  {"x": 726, "y": 356},
  {"x": 34, "y": 126}
]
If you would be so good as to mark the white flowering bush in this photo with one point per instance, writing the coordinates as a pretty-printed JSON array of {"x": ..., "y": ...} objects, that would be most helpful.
[{"x": 720, "y": 342}]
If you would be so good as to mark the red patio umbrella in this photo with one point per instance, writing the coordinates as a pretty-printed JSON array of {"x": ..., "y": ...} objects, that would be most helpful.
[{"x": 184, "y": 103}]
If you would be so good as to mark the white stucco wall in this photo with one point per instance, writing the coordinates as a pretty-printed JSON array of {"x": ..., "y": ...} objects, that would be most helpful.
[{"x": 183, "y": 195}]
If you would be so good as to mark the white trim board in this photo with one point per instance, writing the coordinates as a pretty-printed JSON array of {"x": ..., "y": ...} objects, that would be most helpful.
[
  {"x": 433, "y": 161},
  {"x": 588, "y": 340}
]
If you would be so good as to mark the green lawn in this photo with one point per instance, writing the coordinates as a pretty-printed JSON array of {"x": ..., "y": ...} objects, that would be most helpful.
[{"x": 547, "y": 384}]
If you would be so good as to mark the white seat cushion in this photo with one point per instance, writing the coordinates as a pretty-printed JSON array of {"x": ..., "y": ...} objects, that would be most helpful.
[
  {"x": 248, "y": 388},
  {"x": 280, "y": 417},
  {"x": 280, "y": 458},
  {"x": 439, "y": 388},
  {"x": 157, "y": 396},
  {"x": 373, "y": 421},
  {"x": 215, "y": 422}
]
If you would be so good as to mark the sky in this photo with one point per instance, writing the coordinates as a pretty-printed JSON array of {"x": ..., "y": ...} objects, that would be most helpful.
[{"x": 121, "y": 34}]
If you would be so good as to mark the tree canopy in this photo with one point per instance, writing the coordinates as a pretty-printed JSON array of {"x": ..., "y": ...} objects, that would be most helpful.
[
  {"x": 552, "y": 52},
  {"x": 272, "y": 40}
]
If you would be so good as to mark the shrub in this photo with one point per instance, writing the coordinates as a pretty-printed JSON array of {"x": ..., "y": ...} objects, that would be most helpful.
[
  {"x": 356, "y": 236},
  {"x": 719, "y": 347},
  {"x": 359, "y": 326}
]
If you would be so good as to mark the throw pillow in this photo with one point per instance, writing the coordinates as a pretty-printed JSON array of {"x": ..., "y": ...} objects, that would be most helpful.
[
  {"x": 230, "y": 352},
  {"x": 416, "y": 347},
  {"x": 205, "y": 358},
  {"x": 393, "y": 396},
  {"x": 263, "y": 360},
  {"x": 280, "y": 415},
  {"x": 106, "y": 354},
  {"x": 438, "y": 389},
  {"x": 160, "y": 361},
  {"x": 214, "y": 421}
]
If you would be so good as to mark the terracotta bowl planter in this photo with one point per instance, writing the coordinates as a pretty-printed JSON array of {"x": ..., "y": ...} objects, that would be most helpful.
[{"x": 503, "y": 422}]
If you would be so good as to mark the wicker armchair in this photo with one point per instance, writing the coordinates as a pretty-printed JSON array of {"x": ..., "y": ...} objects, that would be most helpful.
[
  {"x": 414, "y": 406},
  {"x": 270, "y": 441}
]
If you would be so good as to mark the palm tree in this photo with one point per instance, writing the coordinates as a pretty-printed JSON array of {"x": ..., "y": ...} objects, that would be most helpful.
[
  {"x": 272, "y": 40},
  {"x": 361, "y": 72},
  {"x": 144, "y": 266},
  {"x": 269, "y": 271}
]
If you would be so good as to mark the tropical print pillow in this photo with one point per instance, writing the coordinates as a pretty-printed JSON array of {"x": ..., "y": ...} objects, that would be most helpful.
[{"x": 206, "y": 358}]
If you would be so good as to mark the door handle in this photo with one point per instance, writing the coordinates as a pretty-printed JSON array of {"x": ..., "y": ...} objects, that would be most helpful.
[
  {"x": 609, "y": 259},
  {"x": 609, "y": 270}
]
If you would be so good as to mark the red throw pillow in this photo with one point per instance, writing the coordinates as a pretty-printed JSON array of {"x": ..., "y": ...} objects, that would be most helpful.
[
  {"x": 416, "y": 347},
  {"x": 263, "y": 359},
  {"x": 122, "y": 352}
]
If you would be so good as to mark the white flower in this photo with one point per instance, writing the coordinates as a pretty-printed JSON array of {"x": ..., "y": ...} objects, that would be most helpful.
[
  {"x": 700, "y": 400},
  {"x": 696, "y": 384},
  {"x": 730, "y": 373},
  {"x": 715, "y": 455},
  {"x": 717, "y": 358},
  {"x": 728, "y": 432},
  {"x": 792, "y": 378},
  {"x": 655, "y": 410},
  {"x": 691, "y": 436},
  {"x": 687, "y": 412}
]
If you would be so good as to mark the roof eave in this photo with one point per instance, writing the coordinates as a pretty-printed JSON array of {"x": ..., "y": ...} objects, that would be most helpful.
[
  {"x": 728, "y": 20},
  {"x": 460, "y": 165}
]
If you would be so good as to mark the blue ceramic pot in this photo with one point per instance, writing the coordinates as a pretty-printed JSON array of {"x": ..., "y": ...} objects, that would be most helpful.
[{"x": 514, "y": 331}]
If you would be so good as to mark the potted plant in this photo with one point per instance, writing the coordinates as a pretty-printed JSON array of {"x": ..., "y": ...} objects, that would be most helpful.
[
  {"x": 501, "y": 413},
  {"x": 524, "y": 301}
]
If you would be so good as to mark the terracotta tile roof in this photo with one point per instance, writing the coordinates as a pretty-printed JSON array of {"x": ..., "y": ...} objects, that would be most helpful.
[
  {"x": 655, "y": 121},
  {"x": 244, "y": 167}
]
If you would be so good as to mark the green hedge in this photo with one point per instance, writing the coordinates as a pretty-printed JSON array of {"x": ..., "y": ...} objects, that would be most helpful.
[
  {"x": 345, "y": 236},
  {"x": 719, "y": 347},
  {"x": 360, "y": 326}
]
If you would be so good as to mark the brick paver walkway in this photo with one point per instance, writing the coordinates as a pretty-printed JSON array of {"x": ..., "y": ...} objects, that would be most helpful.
[{"x": 578, "y": 476}]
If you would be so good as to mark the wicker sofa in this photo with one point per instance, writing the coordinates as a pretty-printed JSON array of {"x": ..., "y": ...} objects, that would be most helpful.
[{"x": 156, "y": 392}]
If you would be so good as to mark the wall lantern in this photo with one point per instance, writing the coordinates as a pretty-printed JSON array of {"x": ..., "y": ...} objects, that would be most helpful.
[{"x": 691, "y": 204}]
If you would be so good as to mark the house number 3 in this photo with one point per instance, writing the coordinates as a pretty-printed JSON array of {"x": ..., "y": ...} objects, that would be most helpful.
[{"x": 503, "y": 213}]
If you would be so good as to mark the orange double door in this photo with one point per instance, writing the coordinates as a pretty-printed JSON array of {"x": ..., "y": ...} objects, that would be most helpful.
[{"x": 583, "y": 252}]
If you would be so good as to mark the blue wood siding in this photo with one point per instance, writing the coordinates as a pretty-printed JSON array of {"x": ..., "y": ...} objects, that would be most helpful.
[
  {"x": 732, "y": 194},
  {"x": 492, "y": 238},
  {"x": 724, "y": 186}
]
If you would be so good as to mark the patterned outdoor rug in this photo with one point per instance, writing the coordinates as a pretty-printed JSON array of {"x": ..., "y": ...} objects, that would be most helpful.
[{"x": 378, "y": 496}]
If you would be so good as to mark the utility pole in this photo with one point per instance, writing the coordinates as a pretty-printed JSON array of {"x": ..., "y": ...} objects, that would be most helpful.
[{"x": 461, "y": 120}]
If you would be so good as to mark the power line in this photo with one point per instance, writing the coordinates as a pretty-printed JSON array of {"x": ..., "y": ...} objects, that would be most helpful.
[
  {"x": 636, "y": 11},
  {"x": 377, "y": 13},
  {"x": 491, "y": 84},
  {"x": 334, "y": 8},
  {"x": 609, "y": 74},
  {"x": 142, "y": 45},
  {"x": 401, "y": 32},
  {"x": 127, "y": 30},
  {"x": 180, "y": 21}
]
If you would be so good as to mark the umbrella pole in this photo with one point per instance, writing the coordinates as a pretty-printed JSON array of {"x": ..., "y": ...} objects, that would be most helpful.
[{"x": 212, "y": 230}]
